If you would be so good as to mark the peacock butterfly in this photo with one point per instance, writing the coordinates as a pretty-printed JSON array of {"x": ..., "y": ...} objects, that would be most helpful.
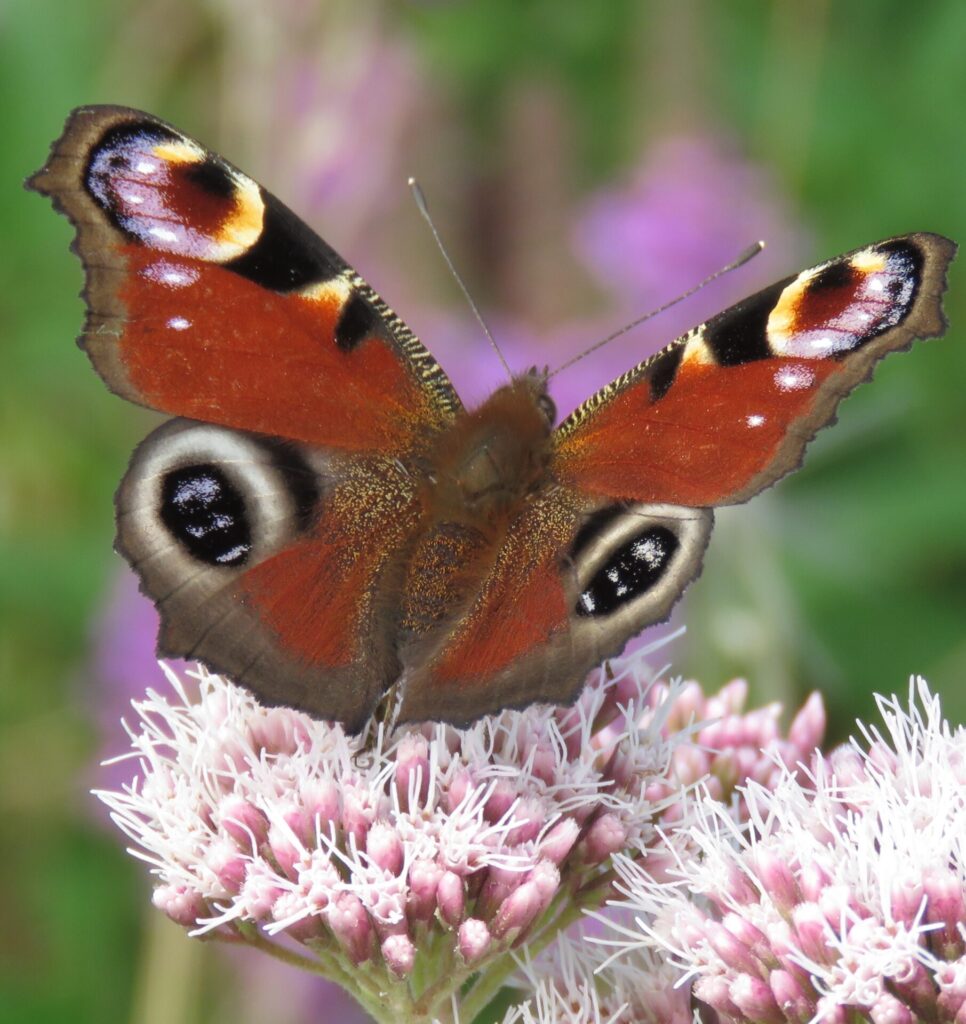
[{"x": 323, "y": 518}]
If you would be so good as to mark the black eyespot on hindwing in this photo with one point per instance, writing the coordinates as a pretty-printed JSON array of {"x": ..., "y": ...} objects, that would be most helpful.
[
  {"x": 205, "y": 513},
  {"x": 630, "y": 571}
]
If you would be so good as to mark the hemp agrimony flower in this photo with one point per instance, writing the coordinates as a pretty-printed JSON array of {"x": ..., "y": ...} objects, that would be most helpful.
[
  {"x": 417, "y": 870},
  {"x": 841, "y": 898}
]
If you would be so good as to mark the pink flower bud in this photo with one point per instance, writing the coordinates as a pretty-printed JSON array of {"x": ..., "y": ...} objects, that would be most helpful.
[
  {"x": 776, "y": 876},
  {"x": 755, "y": 1000},
  {"x": 836, "y": 903},
  {"x": 715, "y": 990},
  {"x": 946, "y": 905},
  {"x": 500, "y": 801},
  {"x": 321, "y": 803},
  {"x": 731, "y": 698},
  {"x": 813, "y": 879},
  {"x": 731, "y": 950},
  {"x": 847, "y": 766},
  {"x": 546, "y": 877},
  {"x": 808, "y": 727},
  {"x": 517, "y": 911},
  {"x": 259, "y": 892},
  {"x": 889, "y": 1010},
  {"x": 412, "y": 769},
  {"x": 244, "y": 822},
  {"x": 497, "y": 886},
  {"x": 358, "y": 814},
  {"x": 812, "y": 929},
  {"x": 559, "y": 841},
  {"x": 543, "y": 761},
  {"x": 460, "y": 784},
  {"x": 399, "y": 954},
  {"x": 285, "y": 849},
  {"x": 739, "y": 887},
  {"x": 385, "y": 847},
  {"x": 606, "y": 835},
  {"x": 689, "y": 763},
  {"x": 790, "y": 996},
  {"x": 752, "y": 938},
  {"x": 183, "y": 905},
  {"x": 278, "y": 731},
  {"x": 450, "y": 898},
  {"x": 350, "y": 924},
  {"x": 301, "y": 824},
  {"x": 228, "y": 865},
  {"x": 474, "y": 940},
  {"x": 529, "y": 816},
  {"x": 424, "y": 877},
  {"x": 304, "y": 928},
  {"x": 689, "y": 705}
]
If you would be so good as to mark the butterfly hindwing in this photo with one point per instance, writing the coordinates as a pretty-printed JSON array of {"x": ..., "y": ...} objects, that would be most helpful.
[
  {"x": 262, "y": 559},
  {"x": 729, "y": 408},
  {"x": 571, "y": 582},
  {"x": 209, "y": 299}
]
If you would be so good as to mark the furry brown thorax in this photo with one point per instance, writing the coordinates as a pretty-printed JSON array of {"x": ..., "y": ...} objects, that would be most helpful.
[{"x": 497, "y": 454}]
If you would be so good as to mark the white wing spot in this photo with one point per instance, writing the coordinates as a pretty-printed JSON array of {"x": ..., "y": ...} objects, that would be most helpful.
[
  {"x": 164, "y": 234},
  {"x": 794, "y": 378},
  {"x": 178, "y": 323}
]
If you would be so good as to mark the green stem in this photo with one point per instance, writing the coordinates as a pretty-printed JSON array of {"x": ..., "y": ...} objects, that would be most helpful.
[{"x": 329, "y": 967}]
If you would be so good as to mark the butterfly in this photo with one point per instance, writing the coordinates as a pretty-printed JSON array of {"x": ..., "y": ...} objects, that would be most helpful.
[{"x": 322, "y": 519}]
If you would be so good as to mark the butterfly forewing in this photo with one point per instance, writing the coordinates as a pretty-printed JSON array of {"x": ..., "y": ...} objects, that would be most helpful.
[
  {"x": 729, "y": 408},
  {"x": 210, "y": 299}
]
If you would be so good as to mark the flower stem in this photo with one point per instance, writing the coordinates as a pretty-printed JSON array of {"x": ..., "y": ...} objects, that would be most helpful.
[{"x": 328, "y": 966}]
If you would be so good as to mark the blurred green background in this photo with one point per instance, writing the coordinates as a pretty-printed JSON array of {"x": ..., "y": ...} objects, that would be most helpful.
[{"x": 557, "y": 143}]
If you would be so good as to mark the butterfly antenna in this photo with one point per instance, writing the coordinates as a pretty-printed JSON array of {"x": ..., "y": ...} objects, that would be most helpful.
[
  {"x": 743, "y": 258},
  {"x": 424, "y": 210}
]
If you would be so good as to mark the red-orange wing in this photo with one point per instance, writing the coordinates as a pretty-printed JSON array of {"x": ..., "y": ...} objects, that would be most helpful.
[
  {"x": 728, "y": 409},
  {"x": 209, "y": 299}
]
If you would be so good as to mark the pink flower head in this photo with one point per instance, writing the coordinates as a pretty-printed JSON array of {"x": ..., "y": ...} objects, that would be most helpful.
[
  {"x": 841, "y": 898},
  {"x": 431, "y": 853}
]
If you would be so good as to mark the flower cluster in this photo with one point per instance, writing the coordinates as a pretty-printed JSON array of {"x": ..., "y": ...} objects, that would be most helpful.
[
  {"x": 409, "y": 866},
  {"x": 841, "y": 898},
  {"x": 423, "y": 858}
]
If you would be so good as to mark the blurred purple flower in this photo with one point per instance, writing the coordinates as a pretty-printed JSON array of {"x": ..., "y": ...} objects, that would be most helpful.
[{"x": 691, "y": 207}]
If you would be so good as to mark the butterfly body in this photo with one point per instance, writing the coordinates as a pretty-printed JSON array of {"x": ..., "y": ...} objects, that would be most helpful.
[{"x": 322, "y": 518}]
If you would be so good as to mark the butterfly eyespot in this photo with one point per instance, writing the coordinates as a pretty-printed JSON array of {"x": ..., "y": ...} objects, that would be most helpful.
[
  {"x": 630, "y": 571},
  {"x": 204, "y": 511}
]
